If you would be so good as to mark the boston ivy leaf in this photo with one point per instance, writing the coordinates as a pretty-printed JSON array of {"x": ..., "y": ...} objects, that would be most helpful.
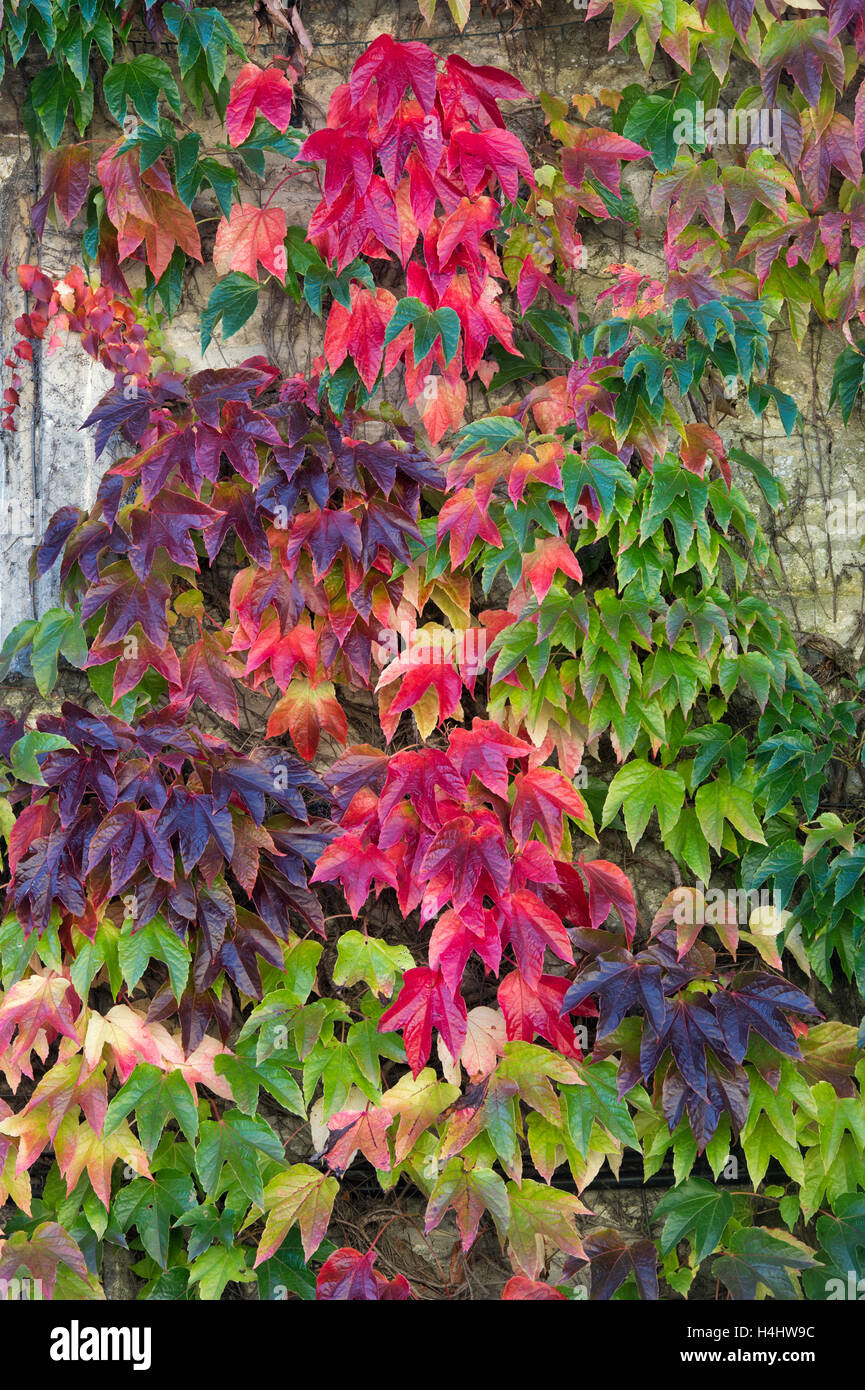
[
  {"x": 235, "y": 1141},
  {"x": 154, "y": 1095},
  {"x": 470, "y": 1191},
  {"x": 249, "y": 236},
  {"x": 42, "y": 1252},
  {"x": 643, "y": 788},
  {"x": 698, "y": 1210},
  {"x": 255, "y": 89},
  {"x": 219, "y": 1266},
  {"x": 378, "y": 964},
  {"x": 803, "y": 48},
  {"x": 301, "y": 1195},
  {"x": 152, "y": 1205},
  {"x": 233, "y": 300},
  {"x": 349, "y": 1275},
  {"x": 755, "y": 1257},
  {"x": 428, "y": 327},
  {"x": 621, "y": 981},
  {"x": 425, "y": 1002},
  {"x": 597, "y": 1101},
  {"x": 541, "y": 1213},
  {"x": 758, "y": 1001},
  {"x": 613, "y": 1259},
  {"x": 27, "y": 750},
  {"x": 140, "y": 81}
]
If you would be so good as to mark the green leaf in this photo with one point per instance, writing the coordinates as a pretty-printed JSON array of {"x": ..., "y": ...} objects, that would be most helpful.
[
  {"x": 428, "y": 327},
  {"x": 697, "y": 1209},
  {"x": 51, "y": 91},
  {"x": 154, "y": 1095},
  {"x": 245, "y": 1077},
  {"x": 602, "y": 472},
  {"x": 755, "y": 1257},
  {"x": 234, "y": 300},
  {"x": 23, "y": 757},
  {"x": 58, "y": 631},
  {"x": 554, "y": 328},
  {"x": 597, "y": 1102},
  {"x": 772, "y": 488},
  {"x": 287, "y": 1271},
  {"x": 151, "y": 1205},
  {"x": 222, "y": 179},
  {"x": 21, "y": 636},
  {"x": 155, "y": 941},
  {"x": 687, "y": 843},
  {"x": 491, "y": 433},
  {"x": 140, "y": 81},
  {"x": 219, "y": 1266},
  {"x": 366, "y": 958},
  {"x": 847, "y": 378},
  {"x": 643, "y": 787},
  {"x": 236, "y": 1141},
  {"x": 207, "y": 1224},
  {"x": 842, "y": 1233},
  {"x": 720, "y": 801},
  {"x": 657, "y": 123}
]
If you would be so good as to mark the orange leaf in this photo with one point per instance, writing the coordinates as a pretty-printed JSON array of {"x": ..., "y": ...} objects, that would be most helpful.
[{"x": 252, "y": 235}]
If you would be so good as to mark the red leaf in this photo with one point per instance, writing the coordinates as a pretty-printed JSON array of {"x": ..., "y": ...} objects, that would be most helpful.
[
  {"x": 284, "y": 653},
  {"x": 145, "y": 208},
  {"x": 306, "y": 710},
  {"x": 700, "y": 443},
  {"x": 66, "y": 179},
  {"x": 832, "y": 145},
  {"x": 48, "y": 1247},
  {"x": 206, "y": 673},
  {"x": 540, "y": 798},
  {"x": 485, "y": 752},
  {"x": 466, "y": 859},
  {"x": 546, "y": 560},
  {"x": 530, "y": 926},
  {"x": 394, "y": 66},
  {"x": 419, "y": 776},
  {"x": 532, "y": 1011},
  {"x": 480, "y": 316},
  {"x": 356, "y": 865},
  {"x": 445, "y": 409},
  {"x": 463, "y": 520},
  {"x": 478, "y": 154},
  {"x": 123, "y": 835},
  {"x": 257, "y": 89},
  {"x": 522, "y": 1288},
  {"x": 358, "y": 1129},
  {"x": 453, "y": 941},
  {"x": 599, "y": 152},
  {"x": 479, "y": 88},
  {"x": 417, "y": 677},
  {"x": 425, "y": 1002},
  {"x": 39, "y": 1005},
  {"x": 253, "y": 234},
  {"x": 348, "y": 1275},
  {"x": 359, "y": 331},
  {"x": 610, "y": 888},
  {"x": 466, "y": 225},
  {"x": 324, "y": 533},
  {"x": 346, "y": 157}
]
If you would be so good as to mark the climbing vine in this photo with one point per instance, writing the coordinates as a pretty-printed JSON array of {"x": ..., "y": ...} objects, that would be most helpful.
[{"x": 326, "y": 864}]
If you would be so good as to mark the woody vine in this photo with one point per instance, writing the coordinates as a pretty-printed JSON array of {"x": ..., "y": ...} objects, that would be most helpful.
[{"x": 245, "y": 957}]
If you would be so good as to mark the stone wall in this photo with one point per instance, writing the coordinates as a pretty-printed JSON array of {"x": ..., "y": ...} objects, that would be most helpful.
[{"x": 50, "y": 462}]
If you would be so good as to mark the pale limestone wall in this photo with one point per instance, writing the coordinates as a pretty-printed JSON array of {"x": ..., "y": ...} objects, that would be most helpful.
[{"x": 50, "y": 462}]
